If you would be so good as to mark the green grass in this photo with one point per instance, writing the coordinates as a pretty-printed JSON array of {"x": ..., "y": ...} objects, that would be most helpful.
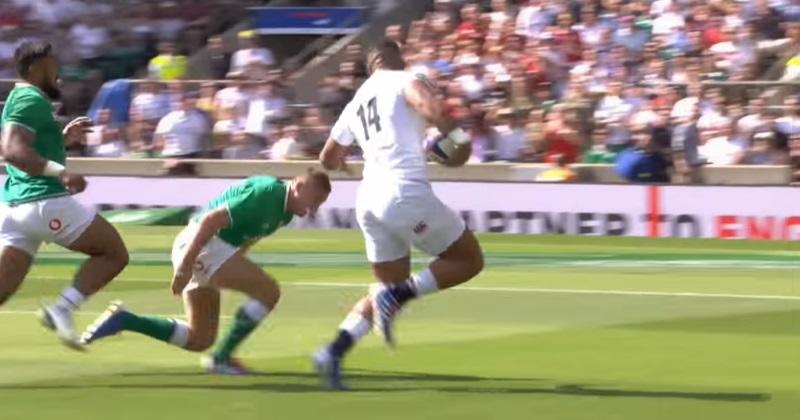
[{"x": 555, "y": 328}]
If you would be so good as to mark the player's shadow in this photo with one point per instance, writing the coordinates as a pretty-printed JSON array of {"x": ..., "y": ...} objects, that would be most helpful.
[{"x": 381, "y": 381}]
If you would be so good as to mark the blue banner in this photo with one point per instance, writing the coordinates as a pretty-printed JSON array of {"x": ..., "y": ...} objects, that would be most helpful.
[{"x": 307, "y": 20}]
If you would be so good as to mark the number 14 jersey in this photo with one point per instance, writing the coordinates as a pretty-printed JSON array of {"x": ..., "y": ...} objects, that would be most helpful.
[{"x": 389, "y": 131}]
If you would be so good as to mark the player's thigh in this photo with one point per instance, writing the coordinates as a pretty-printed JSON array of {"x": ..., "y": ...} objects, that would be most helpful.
[
  {"x": 381, "y": 242},
  {"x": 79, "y": 228},
  {"x": 439, "y": 227},
  {"x": 242, "y": 275},
  {"x": 465, "y": 249},
  {"x": 202, "y": 312},
  {"x": 14, "y": 266},
  {"x": 20, "y": 227}
]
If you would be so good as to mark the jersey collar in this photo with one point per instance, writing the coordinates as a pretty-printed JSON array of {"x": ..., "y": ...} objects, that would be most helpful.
[
  {"x": 286, "y": 199},
  {"x": 26, "y": 84}
]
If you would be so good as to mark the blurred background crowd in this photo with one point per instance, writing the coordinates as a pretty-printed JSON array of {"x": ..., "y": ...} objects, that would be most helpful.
[{"x": 638, "y": 84}]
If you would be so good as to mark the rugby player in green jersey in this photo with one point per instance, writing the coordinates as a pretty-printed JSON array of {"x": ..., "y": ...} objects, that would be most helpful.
[
  {"x": 209, "y": 255},
  {"x": 37, "y": 204}
]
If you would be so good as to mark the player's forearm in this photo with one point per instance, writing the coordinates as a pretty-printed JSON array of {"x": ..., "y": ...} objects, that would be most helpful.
[{"x": 201, "y": 238}]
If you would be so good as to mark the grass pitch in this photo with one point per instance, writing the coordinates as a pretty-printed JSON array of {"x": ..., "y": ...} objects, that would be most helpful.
[{"x": 555, "y": 328}]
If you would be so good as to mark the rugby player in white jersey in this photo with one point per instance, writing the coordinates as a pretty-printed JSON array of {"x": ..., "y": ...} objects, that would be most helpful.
[{"x": 396, "y": 206}]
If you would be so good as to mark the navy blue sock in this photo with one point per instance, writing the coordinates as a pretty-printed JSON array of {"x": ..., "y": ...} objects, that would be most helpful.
[
  {"x": 403, "y": 292},
  {"x": 342, "y": 344}
]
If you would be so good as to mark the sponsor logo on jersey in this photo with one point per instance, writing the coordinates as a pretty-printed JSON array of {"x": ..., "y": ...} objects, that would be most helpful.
[{"x": 55, "y": 225}]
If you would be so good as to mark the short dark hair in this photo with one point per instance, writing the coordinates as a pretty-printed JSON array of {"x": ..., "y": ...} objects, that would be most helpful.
[
  {"x": 29, "y": 52},
  {"x": 320, "y": 179},
  {"x": 389, "y": 53}
]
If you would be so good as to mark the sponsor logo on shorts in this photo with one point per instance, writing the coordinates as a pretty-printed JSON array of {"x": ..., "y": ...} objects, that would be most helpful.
[
  {"x": 420, "y": 228},
  {"x": 55, "y": 225}
]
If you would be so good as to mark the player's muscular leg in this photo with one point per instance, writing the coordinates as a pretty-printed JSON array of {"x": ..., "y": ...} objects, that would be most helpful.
[
  {"x": 14, "y": 266},
  {"x": 242, "y": 275},
  {"x": 459, "y": 263},
  {"x": 107, "y": 256},
  {"x": 390, "y": 272},
  {"x": 202, "y": 311}
]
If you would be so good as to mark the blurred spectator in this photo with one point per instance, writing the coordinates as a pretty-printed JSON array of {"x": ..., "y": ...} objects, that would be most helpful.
[
  {"x": 794, "y": 158},
  {"x": 105, "y": 139},
  {"x": 89, "y": 37},
  {"x": 643, "y": 162},
  {"x": 722, "y": 149},
  {"x": 219, "y": 60},
  {"x": 241, "y": 147},
  {"x": 313, "y": 131},
  {"x": 287, "y": 147},
  {"x": 167, "y": 65},
  {"x": 789, "y": 124},
  {"x": 560, "y": 172},
  {"x": 560, "y": 137},
  {"x": 266, "y": 106},
  {"x": 509, "y": 136},
  {"x": 250, "y": 53},
  {"x": 183, "y": 133},
  {"x": 231, "y": 102},
  {"x": 599, "y": 152},
  {"x": 765, "y": 151},
  {"x": 685, "y": 144}
]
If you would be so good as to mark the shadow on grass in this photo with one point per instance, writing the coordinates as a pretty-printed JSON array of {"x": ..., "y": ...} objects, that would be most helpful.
[{"x": 380, "y": 382}]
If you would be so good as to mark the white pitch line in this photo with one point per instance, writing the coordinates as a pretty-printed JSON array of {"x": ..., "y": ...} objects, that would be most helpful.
[
  {"x": 29, "y": 312},
  {"x": 526, "y": 290},
  {"x": 580, "y": 291}
]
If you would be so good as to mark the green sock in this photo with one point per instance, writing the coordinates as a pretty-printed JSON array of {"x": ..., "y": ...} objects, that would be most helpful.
[
  {"x": 161, "y": 329},
  {"x": 242, "y": 326}
]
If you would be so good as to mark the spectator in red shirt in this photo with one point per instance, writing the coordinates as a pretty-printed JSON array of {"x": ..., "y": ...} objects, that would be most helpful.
[{"x": 560, "y": 137}]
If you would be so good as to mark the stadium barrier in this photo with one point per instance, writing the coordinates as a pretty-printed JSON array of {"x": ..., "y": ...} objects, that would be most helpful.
[
  {"x": 491, "y": 172},
  {"x": 729, "y": 212}
]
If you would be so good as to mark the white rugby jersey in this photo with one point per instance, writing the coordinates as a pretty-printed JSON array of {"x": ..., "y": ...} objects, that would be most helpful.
[{"x": 389, "y": 131}]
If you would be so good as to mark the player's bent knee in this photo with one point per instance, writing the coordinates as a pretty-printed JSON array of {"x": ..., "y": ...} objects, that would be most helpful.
[{"x": 200, "y": 342}]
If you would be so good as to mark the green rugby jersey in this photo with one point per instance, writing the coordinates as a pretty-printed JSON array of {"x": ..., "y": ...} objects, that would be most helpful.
[
  {"x": 256, "y": 207},
  {"x": 31, "y": 108}
]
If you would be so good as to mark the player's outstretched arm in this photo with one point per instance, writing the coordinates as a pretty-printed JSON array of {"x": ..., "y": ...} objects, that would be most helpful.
[
  {"x": 333, "y": 156},
  {"x": 422, "y": 97},
  {"x": 211, "y": 223}
]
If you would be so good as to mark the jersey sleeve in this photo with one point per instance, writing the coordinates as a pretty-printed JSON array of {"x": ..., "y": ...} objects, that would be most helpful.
[
  {"x": 341, "y": 132},
  {"x": 27, "y": 112},
  {"x": 242, "y": 207}
]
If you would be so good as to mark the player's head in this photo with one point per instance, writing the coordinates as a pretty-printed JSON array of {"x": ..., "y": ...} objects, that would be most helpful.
[
  {"x": 37, "y": 64},
  {"x": 308, "y": 192},
  {"x": 386, "y": 55}
]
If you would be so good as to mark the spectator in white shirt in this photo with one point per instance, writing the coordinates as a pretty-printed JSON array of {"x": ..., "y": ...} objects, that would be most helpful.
[
  {"x": 590, "y": 30},
  {"x": 509, "y": 135},
  {"x": 789, "y": 123},
  {"x": 533, "y": 18},
  {"x": 231, "y": 102},
  {"x": 756, "y": 120},
  {"x": 183, "y": 133},
  {"x": 613, "y": 112},
  {"x": 250, "y": 53},
  {"x": 722, "y": 149},
  {"x": 150, "y": 103},
  {"x": 89, "y": 37},
  {"x": 241, "y": 147},
  {"x": 287, "y": 147},
  {"x": 266, "y": 106},
  {"x": 669, "y": 22},
  {"x": 105, "y": 139}
]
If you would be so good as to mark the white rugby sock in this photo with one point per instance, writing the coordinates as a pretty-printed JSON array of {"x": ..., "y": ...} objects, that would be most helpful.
[
  {"x": 180, "y": 335},
  {"x": 356, "y": 325},
  {"x": 255, "y": 310},
  {"x": 70, "y": 299},
  {"x": 424, "y": 283}
]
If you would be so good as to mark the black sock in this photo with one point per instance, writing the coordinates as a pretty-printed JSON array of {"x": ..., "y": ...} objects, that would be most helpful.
[
  {"x": 403, "y": 292},
  {"x": 342, "y": 344}
]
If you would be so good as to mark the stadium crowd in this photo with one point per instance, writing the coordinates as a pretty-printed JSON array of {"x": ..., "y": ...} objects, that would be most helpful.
[{"x": 564, "y": 81}]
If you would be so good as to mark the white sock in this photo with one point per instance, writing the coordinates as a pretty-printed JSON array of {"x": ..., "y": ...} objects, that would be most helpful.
[
  {"x": 425, "y": 283},
  {"x": 255, "y": 310},
  {"x": 356, "y": 325},
  {"x": 180, "y": 335},
  {"x": 70, "y": 299}
]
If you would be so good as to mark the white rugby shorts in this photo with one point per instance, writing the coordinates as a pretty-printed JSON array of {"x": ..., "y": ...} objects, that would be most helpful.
[
  {"x": 395, "y": 217},
  {"x": 59, "y": 220},
  {"x": 210, "y": 259}
]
